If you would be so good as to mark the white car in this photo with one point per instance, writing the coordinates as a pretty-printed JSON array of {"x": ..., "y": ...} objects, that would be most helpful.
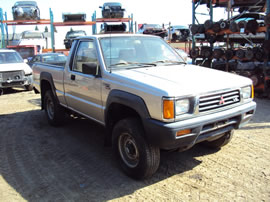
[
  {"x": 33, "y": 38},
  {"x": 14, "y": 72}
]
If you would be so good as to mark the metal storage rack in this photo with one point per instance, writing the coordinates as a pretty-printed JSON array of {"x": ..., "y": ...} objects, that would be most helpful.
[
  {"x": 227, "y": 3},
  {"x": 5, "y": 23}
]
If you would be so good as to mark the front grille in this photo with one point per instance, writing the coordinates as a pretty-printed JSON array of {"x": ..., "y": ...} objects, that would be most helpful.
[
  {"x": 218, "y": 100},
  {"x": 12, "y": 76},
  {"x": 14, "y": 83}
]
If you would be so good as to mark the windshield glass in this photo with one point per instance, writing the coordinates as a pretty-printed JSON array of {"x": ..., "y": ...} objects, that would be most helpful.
[
  {"x": 10, "y": 57},
  {"x": 152, "y": 26},
  {"x": 25, "y": 3},
  {"x": 76, "y": 34},
  {"x": 54, "y": 58},
  {"x": 126, "y": 51},
  {"x": 31, "y": 35}
]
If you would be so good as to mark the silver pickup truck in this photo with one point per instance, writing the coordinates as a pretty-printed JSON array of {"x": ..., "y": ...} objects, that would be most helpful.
[{"x": 148, "y": 99}]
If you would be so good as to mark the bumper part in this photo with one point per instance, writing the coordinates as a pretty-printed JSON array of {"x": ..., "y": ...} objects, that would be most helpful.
[{"x": 164, "y": 135}]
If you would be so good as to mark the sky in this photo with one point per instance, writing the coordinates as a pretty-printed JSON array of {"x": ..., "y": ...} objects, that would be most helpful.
[{"x": 177, "y": 12}]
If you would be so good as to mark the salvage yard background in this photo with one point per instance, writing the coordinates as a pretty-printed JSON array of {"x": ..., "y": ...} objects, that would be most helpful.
[{"x": 42, "y": 163}]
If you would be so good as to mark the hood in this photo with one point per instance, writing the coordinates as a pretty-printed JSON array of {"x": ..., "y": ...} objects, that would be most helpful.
[
  {"x": 16, "y": 67},
  {"x": 178, "y": 80}
]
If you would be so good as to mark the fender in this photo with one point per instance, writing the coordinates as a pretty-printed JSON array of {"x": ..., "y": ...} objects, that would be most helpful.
[
  {"x": 130, "y": 100},
  {"x": 45, "y": 76},
  {"x": 127, "y": 99}
]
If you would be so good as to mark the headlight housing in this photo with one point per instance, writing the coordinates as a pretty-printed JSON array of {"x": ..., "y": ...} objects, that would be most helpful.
[
  {"x": 181, "y": 106},
  {"x": 173, "y": 108},
  {"x": 247, "y": 92}
]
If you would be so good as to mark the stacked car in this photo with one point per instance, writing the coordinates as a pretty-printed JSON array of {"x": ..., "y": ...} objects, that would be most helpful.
[{"x": 25, "y": 10}]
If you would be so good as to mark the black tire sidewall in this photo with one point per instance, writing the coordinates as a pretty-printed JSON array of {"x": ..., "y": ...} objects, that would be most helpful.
[
  {"x": 133, "y": 128},
  {"x": 58, "y": 111}
]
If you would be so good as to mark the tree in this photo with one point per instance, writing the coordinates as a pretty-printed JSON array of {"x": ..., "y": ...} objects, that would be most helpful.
[
  {"x": 46, "y": 29},
  {"x": 36, "y": 28}
]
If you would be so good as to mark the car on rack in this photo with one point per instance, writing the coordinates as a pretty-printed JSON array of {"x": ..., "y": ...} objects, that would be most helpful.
[
  {"x": 74, "y": 17},
  {"x": 33, "y": 38},
  {"x": 58, "y": 59},
  {"x": 112, "y": 10},
  {"x": 146, "y": 97},
  {"x": 14, "y": 72},
  {"x": 26, "y": 10},
  {"x": 179, "y": 33},
  {"x": 71, "y": 35},
  {"x": 153, "y": 29}
]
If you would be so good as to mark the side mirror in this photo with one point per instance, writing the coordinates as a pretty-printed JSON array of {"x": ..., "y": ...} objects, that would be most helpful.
[
  {"x": 90, "y": 68},
  {"x": 100, "y": 6}
]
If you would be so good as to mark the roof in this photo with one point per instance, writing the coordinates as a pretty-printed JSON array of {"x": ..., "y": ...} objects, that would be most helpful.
[
  {"x": 116, "y": 35},
  {"x": 2, "y": 50}
]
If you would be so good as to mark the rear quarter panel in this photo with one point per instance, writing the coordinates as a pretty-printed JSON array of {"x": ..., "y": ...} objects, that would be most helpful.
[{"x": 56, "y": 72}]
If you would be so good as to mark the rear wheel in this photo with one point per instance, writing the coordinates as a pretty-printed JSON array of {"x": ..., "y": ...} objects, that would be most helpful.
[
  {"x": 220, "y": 142},
  {"x": 136, "y": 156},
  {"x": 54, "y": 112}
]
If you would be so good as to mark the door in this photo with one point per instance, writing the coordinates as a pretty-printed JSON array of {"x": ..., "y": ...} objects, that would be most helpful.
[{"x": 83, "y": 91}]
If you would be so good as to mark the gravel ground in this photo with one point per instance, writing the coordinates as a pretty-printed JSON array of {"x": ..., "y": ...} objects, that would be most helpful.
[{"x": 42, "y": 163}]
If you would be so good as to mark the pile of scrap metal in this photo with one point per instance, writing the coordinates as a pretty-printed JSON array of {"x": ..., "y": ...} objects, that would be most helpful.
[
  {"x": 153, "y": 29},
  {"x": 241, "y": 5},
  {"x": 179, "y": 33},
  {"x": 256, "y": 53},
  {"x": 243, "y": 27}
]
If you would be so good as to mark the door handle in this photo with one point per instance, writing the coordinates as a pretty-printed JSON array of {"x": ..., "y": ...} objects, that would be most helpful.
[{"x": 72, "y": 77}]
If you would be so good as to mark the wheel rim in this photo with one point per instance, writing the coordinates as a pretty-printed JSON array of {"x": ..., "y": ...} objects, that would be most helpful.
[
  {"x": 50, "y": 108},
  {"x": 128, "y": 150}
]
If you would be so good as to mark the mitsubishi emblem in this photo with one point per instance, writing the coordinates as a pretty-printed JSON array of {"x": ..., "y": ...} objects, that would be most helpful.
[{"x": 222, "y": 101}]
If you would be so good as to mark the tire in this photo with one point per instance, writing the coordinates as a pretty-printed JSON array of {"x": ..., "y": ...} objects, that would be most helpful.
[
  {"x": 29, "y": 87},
  {"x": 136, "y": 156},
  {"x": 220, "y": 142},
  {"x": 54, "y": 112}
]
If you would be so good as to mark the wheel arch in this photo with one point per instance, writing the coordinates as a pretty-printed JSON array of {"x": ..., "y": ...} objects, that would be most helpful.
[
  {"x": 121, "y": 105},
  {"x": 46, "y": 83}
]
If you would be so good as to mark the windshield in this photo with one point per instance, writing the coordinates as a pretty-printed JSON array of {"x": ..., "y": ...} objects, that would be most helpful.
[
  {"x": 54, "y": 58},
  {"x": 76, "y": 34},
  {"x": 152, "y": 26},
  {"x": 25, "y": 3},
  {"x": 10, "y": 57},
  {"x": 32, "y": 35},
  {"x": 119, "y": 52}
]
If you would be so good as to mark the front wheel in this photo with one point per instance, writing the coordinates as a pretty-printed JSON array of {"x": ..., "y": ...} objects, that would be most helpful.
[
  {"x": 136, "y": 156},
  {"x": 54, "y": 112}
]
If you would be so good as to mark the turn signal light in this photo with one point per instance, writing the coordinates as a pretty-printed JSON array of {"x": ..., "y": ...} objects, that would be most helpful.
[
  {"x": 183, "y": 132},
  {"x": 252, "y": 91},
  {"x": 168, "y": 109}
]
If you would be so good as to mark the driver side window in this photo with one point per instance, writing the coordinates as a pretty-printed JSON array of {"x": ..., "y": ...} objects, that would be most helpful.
[{"x": 86, "y": 53}]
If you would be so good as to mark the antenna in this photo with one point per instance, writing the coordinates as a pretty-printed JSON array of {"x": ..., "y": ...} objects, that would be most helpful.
[{"x": 110, "y": 51}]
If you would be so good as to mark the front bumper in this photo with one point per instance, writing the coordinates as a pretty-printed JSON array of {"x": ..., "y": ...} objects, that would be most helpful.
[
  {"x": 202, "y": 128},
  {"x": 26, "y": 80}
]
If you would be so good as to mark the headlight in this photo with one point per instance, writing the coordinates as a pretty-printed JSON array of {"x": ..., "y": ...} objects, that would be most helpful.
[
  {"x": 172, "y": 108},
  {"x": 181, "y": 106},
  {"x": 247, "y": 92}
]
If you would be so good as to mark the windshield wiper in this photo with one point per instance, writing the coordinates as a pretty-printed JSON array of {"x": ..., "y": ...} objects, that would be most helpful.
[
  {"x": 169, "y": 61},
  {"x": 139, "y": 64}
]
